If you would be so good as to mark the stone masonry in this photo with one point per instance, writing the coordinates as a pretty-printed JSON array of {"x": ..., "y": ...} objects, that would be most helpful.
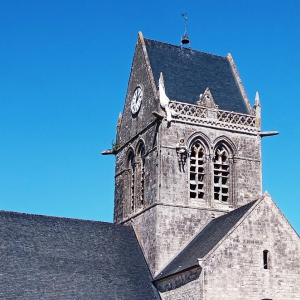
[
  {"x": 188, "y": 175},
  {"x": 175, "y": 217},
  {"x": 235, "y": 269}
]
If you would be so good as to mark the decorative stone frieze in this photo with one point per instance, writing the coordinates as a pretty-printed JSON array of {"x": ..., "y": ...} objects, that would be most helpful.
[{"x": 199, "y": 114}]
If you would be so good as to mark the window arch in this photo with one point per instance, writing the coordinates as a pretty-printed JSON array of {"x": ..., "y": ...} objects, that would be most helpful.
[
  {"x": 130, "y": 180},
  {"x": 140, "y": 174},
  {"x": 134, "y": 180},
  {"x": 221, "y": 173},
  {"x": 197, "y": 170}
]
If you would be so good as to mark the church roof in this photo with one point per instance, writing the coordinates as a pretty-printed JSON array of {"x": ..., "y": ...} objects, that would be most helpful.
[
  {"x": 187, "y": 73},
  {"x": 205, "y": 241},
  {"x": 58, "y": 258}
]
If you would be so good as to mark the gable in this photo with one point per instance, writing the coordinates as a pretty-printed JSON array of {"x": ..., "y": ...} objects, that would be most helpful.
[
  {"x": 223, "y": 228},
  {"x": 59, "y": 258},
  {"x": 242, "y": 255},
  {"x": 257, "y": 258},
  {"x": 188, "y": 73}
]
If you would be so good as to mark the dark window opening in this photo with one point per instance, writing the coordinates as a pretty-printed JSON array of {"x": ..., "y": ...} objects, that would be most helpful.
[
  {"x": 140, "y": 176},
  {"x": 266, "y": 259},
  {"x": 130, "y": 190}
]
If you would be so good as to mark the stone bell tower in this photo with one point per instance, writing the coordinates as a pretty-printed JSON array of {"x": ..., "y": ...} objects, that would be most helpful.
[{"x": 188, "y": 146}]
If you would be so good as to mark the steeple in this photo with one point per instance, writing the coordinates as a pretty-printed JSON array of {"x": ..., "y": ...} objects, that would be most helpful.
[{"x": 182, "y": 159}]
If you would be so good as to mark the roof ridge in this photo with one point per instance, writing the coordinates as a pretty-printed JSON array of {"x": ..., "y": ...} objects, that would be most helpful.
[
  {"x": 56, "y": 217},
  {"x": 186, "y": 49}
]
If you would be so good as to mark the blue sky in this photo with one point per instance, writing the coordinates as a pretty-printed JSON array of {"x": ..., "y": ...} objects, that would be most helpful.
[{"x": 63, "y": 77}]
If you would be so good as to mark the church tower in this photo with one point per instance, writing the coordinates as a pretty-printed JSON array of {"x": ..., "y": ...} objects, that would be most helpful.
[{"x": 188, "y": 147}]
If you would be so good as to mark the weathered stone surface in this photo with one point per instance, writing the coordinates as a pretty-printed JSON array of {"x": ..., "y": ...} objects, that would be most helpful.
[
  {"x": 171, "y": 191},
  {"x": 235, "y": 270},
  {"x": 166, "y": 183}
]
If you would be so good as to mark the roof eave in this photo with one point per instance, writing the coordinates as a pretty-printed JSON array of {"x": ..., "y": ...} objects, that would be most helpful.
[{"x": 172, "y": 275}]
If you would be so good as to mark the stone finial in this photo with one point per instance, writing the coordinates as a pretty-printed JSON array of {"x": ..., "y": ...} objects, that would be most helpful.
[
  {"x": 257, "y": 109},
  {"x": 206, "y": 99},
  {"x": 257, "y": 101}
]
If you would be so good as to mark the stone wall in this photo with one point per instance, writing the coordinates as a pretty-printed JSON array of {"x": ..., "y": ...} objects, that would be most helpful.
[
  {"x": 168, "y": 218},
  {"x": 245, "y": 173},
  {"x": 164, "y": 230},
  {"x": 236, "y": 268},
  {"x": 178, "y": 218},
  {"x": 122, "y": 207},
  {"x": 135, "y": 128}
]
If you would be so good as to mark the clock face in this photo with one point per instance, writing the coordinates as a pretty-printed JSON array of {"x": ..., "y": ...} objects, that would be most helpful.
[{"x": 136, "y": 100}]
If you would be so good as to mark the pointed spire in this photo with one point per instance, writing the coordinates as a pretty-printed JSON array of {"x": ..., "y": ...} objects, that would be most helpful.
[
  {"x": 257, "y": 101},
  {"x": 257, "y": 109}
]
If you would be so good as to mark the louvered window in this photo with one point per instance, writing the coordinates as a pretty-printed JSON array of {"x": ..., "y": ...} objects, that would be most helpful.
[
  {"x": 197, "y": 172},
  {"x": 221, "y": 174}
]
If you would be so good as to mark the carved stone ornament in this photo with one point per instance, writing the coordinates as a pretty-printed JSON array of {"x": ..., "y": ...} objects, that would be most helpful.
[{"x": 207, "y": 99}]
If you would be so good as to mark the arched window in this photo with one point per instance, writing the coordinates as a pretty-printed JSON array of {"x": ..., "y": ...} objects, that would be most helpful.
[
  {"x": 221, "y": 174},
  {"x": 140, "y": 175},
  {"x": 130, "y": 182},
  {"x": 197, "y": 173}
]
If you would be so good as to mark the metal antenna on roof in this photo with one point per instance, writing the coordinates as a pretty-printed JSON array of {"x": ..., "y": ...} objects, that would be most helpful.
[{"x": 185, "y": 39}]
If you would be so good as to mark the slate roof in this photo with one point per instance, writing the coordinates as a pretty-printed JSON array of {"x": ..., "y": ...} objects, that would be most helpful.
[
  {"x": 65, "y": 259},
  {"x": 187, "y": 73},
  {"x": 204, "y": 242}
]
